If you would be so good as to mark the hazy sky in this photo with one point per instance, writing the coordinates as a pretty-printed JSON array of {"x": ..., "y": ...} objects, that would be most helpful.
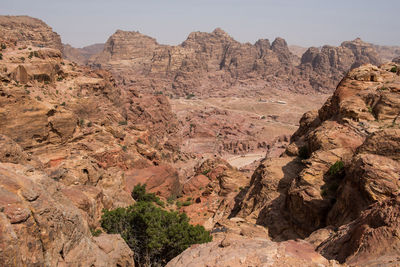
[{"x": 302, "y": 22}]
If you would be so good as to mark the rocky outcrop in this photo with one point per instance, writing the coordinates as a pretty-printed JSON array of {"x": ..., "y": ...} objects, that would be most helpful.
[
  {"x": 203, "y": 59},
  {"x": 208, "y": 62},
  {"x": 240, "y": 251},
  {"x": 342, "y": 160},
  {"x": 24, "y": 30},
  {"x": 325, "y": 67},
  {"x": 370, "y": 240},
  {"x": 39, "y": 226},
  {"x": 81, "y": 55},
  {"x": 72, "y": 143}
]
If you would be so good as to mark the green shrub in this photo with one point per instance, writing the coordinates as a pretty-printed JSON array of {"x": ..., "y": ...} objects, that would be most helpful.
[
  {"x": 394, "y": 69},
  {"x": 139, "y": 194},
  {"x": 187, "y": 203},
  {"x": 3, "y": 46},
  {"x": 304, "y": 153},
  {"x": 1, "y": 56},
  {"x": 336, "y": 168},
  {"x": 123, "y": 122},
  {"x": 95, "y": 232},
  {"x": 205, "y": 172},
  {"x": 190, "y": 96},
  {"x": 155, "y": 235},
  {"x": 30, "y": 55}
]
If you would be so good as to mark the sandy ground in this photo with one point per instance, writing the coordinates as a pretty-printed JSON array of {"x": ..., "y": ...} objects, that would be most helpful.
[{"x": 244, "y": 160}]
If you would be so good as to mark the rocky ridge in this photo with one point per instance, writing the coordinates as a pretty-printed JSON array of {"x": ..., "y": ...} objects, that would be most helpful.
[
  {"x": 214, "y": 63},
  {"x": 24, "y": 30},
  {"x": 70, "y": 142},
  {"x": 339, "y": 172}
]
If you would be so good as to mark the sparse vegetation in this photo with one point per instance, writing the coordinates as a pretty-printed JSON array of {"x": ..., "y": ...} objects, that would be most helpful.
[
  {"x": 155, "y": 235},
  {"x": 190, "y": 96},
  {"x": 205, "y": 172},
  {"x": 95, "y": 232},
  {"x": 140, "y": 141},
  {"x": 123, "y": 122},
  {"x": 336, "y": 168},
  {"x": 1, "y": 56},
  {"x": 3, "y": 46},
  {"x": 394, "y": 69},
  {"x": 38, "y": 98},
  {"x": 187, "y": 203}
]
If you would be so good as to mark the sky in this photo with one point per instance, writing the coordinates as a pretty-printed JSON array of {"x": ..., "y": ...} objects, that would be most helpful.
[{"x": 301, "y": 22}]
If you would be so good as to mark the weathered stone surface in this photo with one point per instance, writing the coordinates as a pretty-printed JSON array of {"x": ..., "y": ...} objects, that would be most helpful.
[
  {"x": 240, "y": 251},
  {"x": 25, "y": 30},
  {"x": 344, "y": 159},
  {"x": 373, "y": 239},
  {"x": 39, "y": 226}
]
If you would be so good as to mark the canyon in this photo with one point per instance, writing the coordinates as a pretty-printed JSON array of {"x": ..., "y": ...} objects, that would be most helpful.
[{"x": 287, "y": 160}]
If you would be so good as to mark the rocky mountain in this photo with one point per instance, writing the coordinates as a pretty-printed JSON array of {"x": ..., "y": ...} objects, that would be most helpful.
[
  {"x": 387, "y": 53},
  {"x": 337, "y": 184},
  {"x": 206, "y": 61},
  {"x": 76, "y": 140},
  {"x": 81, "y": 55},
  {"x": 24, "y": 30},
  {"x": 71, "y": 144},
  {"x": 325, "y": 67}
]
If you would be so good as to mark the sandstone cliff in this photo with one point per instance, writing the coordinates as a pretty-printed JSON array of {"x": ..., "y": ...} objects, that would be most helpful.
[
  {"x": 208, "y": 62},
  {"x": 343, "y": 159},
  {"x": 24, "y": 30},
  {"x": 70, "y": 144},
  {"x": 81, "y": 55}
]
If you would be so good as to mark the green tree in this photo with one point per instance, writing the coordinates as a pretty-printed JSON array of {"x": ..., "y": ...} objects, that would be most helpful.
[{"x": 155, "y": 235}]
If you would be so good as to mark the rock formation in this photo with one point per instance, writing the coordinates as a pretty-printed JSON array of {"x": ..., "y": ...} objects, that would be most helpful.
[
  {"x": 205, "y": 61},
  {"x": 81, "y": 55},
  {"x": 68, "y": 136},
  {"x": 24, "y": 30},
  {"x": 341, "y": 160}
]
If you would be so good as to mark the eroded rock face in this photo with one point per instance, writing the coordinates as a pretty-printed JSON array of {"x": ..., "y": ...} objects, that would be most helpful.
[
  {"x": 200, "y": 61},
  {"x": 69, "y": 137},
  {"x": 213, "y": 62},
  {"x": 370, "y": 240},
  {"x": 24, "y": 30},
  {"x": 343, "y": 159},
  {"x": 326, "y": 67},
  {"x": 39, "y": 226},
  {"x": 81, "y": 55},
  {"x": 240, "y": 251}
]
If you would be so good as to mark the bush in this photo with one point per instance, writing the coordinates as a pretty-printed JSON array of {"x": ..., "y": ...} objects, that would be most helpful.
[
  {"x": 3, "y": 46},
  {"x": 394, "y": 69},
  {"x": 336, "y": 168},
  {"x": 123, "y": 122},
  {"x": 155, "y": 235},
  {"x": 139, "y": 194},
  {"x": 1, "y": 56}
]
